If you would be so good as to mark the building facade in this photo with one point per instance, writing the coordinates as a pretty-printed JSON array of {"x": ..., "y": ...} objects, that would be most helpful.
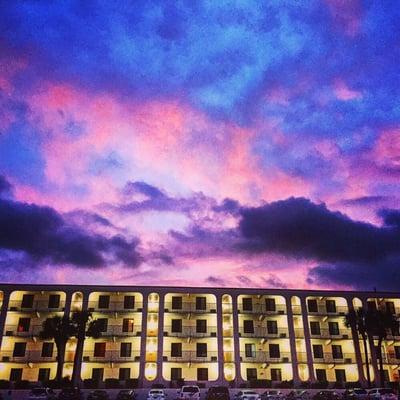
[{"x": 211, "y": 335}]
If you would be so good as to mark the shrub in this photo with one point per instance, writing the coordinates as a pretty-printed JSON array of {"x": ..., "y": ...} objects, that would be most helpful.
[
  {"x": 23, "y": 384},
  {"x": 158, "y": 386},
  {"x": 112, "y": 383},
  {"x": 285, "y": 385},
  {"x": 320, "y": 385},
  {"x": 90, "y": 384},
  {"x": 4, "y": 384},
  {"x": 132, "y": 383}
]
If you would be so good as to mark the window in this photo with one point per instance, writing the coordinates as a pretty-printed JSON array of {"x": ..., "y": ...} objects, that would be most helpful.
[
  {"x": 318, "y": 351},
  {"x": 276, "y": 374},
  {"x": 54, "y": 301},
  {"x": 201, "y": 326},
  {"x": 129, "y": 303},
  {"x": 127, "y": 325},
  {"x": 19, "y": 349},
  {"x": 202, "y": 374},
  {"x": 274, "y": 351},
  {"x": 126, "y": 349},
  {"x": 270, "y": 305},
  {"x": 397, "y": 352},
  {"x": 251, "y": 374},
  {"x": 27, "y": 301},
  {"x": 15, "y": 374},
  {"x": 124, "y": 374},
  {"x": 23, "y": 324},
  {"x": 201, "y": 303},
  {"x": 390, "y": 307},
  {"x": 330, "y": 306},
  {"x": 100, "y": 349},
  {"x": 337, "y": 351},
  {"x": 104, "y": 301},
  {"x": 44, "y": 375},
  {"x": 176, "y": 349},
  {"x": 247, "y": 304},
  {"x": 272, "y": 327},
  {"x": 176, "y": 374},
  {"x": 176, "y": 325},
  {"x": 315, "y": 328},
  {"x": 340, "y": 375},
  {"x": 177, "y": 302},
  {"x": 47, "y": 349},
  {"x": 371, "y": 305},
  {"x": 320, "y": 375},
  {"x": 201, "y": 349},
  {"x": 97, "y": 374},
  {"x": 333, "y": 328},
  {"x": 250, "y": 350},
  {"x": 248, "y": 326},
  {"x": 103, "y": 324},
  {"x": 312, "y": 305}
]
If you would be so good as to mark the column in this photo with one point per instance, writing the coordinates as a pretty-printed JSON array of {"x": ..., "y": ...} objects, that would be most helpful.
[
  {"x": 292, "y": 339},
  {"x": 236, "y": 340},
  {"x": 307, "y": 339},
  {"x": 356, "y": 341},
  {"x": 3, "y": 313},
  {"x": 220, "y": 340},
  {"x": 67, "y": 306},
  {"x": 143, "y": 338},
  {"x": 160, "y": 340}
]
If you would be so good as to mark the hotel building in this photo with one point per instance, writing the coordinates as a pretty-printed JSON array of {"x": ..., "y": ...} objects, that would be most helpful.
[{"x": 211, "y": 335}]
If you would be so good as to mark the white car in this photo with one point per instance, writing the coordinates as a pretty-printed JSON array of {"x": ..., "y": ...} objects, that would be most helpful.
[
  {"x": 247, "y": 395},
  {"x": 156, "y": 394},
  {"x": 42, "y": 394},
  {"x": 381, "y": 394},
  {"x": 189, "y": 392}
]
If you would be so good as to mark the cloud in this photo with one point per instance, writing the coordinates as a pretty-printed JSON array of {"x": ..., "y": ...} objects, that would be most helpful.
[
  {"x": 5, "y": 186},
  {"x": 46, "y": 237},
  {"x": 390, "y": 217}
]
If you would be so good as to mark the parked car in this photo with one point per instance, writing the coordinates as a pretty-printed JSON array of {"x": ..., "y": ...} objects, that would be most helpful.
[
  {"x": 42, "y": 393},
  {"x": 191, "y": 392},
  {"x": 126, "y": 394},
  {"x": 272, "y": 395},
  {"x": 156, "y": 394},
  {"x": 217, "y": 393},
  {"x": 381, "y": 394},
  {"x": 98, "y": 395},
  {"x": 298, "y": 395},
  {"x": 72, "y": 393},
  {"x": 326, "y": 395},
  {"x": 247, "y": 395},
  {"x": 355, "y": 394}
]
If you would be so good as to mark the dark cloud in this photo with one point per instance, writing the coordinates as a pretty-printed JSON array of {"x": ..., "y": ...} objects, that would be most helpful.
[
  {"x": 273, "y": 281},
  {"x": 5, "y": 186},
  {"x": 366, "y": 200},
  {"x": 390, "y": 217},
  {"x": 297, "y": 227},
  {"x": 46, "y": 237},
  {"x": 144, "y": 188},
  {"x": 214, "y": 280},
  {"x": 228, "y": 206}
]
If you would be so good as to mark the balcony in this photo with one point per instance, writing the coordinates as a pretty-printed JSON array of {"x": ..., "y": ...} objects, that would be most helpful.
[
  {"x": 117, "y": 330},
  {"x": 190, "y": 307},
  {"x": 326, "y": 334},
  {"x": 110, "y": 356},
  {"x": 115, "y": 306},
  {"x": 16, "y": 330},
  {"x": 29, "y": 356},
  {"x": 190, "y": 331},
  {"x": 264, "y": 356},
  {"x": 262, "y": 309},
  {"x": 346, "y": 358},
  {"x": 296, "y": 310},
  {"x": 37, "y": 305},
  {"x": 391, "y": 358},
  {"x": 339, "y": 310},
  {"x": 262, "y": 332},
  {"x": 190, "y": 356}
]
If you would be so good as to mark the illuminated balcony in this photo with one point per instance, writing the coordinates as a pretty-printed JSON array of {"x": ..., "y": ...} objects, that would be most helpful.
[
  {"x": 17, "y": 330},
  {"x": 264, "y": 357},
  {"x": 110, "y": 356},
  {"x": 118, "y": 330},
  {"x": 191, "y": 331},
  {"x": 322, "y": 310},
  {"x": 29, "y": 356},
  {"x": 115, "y": 306},
  {"x": 262, "y": 309},
  {"x": 326, "y": 334},
  {"x": 35, "y": 306},
  {"x": 190, "y": 356},
  {"x": 262, "y": 332},
  {"x": 190, "y": 307},
  {"x": 346, "y": 358}
]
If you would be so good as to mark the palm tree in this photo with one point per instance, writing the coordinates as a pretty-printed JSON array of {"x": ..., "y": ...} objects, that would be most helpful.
[
  {"x": 84, "y": 326},
  {"x": 61, "y": 330},
  {"x": 360, "y": 321},
  {"x": 384, "y": 323}
]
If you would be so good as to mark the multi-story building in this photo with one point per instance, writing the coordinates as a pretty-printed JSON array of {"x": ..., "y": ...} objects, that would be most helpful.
[{"x": 211, "y": 335}]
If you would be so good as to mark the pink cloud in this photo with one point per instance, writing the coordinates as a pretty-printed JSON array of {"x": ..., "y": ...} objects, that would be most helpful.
[
  {"x": 346, "y": 15},
  {"x": 343, "y": 92}
]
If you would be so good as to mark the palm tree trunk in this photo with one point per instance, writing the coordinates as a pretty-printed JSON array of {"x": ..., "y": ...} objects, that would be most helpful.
[
  {"x": 364, "y": 339},
  {"x": 60, "y": 360},
  {"x": 381, "y": 372},
  {"x": 76, "y": 373}
]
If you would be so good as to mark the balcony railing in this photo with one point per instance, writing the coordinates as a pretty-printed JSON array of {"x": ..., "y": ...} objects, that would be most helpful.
[
  {"x": 346, "y": 358},
  {"x": 110, "y": 356},
  {"x": 29, "y": 356},
  {"x": 118, "y": 330},
  {"x": 262, "y": 309},
  {"x": 115, "y": 306},
  {"x": 262, "y": 332},
  {"x": 191, "y": 331},
  {"x": 322, "y": 310},
  {"x": 190, "y": 307},
  {"x": 190, "y": 356},
  {"x": 37, "y": 305},
  {"x": 325, "y": 333},
  {"x": 296, "y": 310},
  {"x": 17, "y": 330},
  {"x": 264, "y": 356}
]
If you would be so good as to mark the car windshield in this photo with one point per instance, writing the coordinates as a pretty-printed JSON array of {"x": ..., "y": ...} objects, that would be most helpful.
[
  {"x": 156, "y": 391},
  {"x": 39, "y": 391},
  {"x": 360, "y": 391},
  {"x": 190, "y": 389}
]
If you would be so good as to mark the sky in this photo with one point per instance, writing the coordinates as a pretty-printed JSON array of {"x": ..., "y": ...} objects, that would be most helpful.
[{"x": 201, "y": 143}]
